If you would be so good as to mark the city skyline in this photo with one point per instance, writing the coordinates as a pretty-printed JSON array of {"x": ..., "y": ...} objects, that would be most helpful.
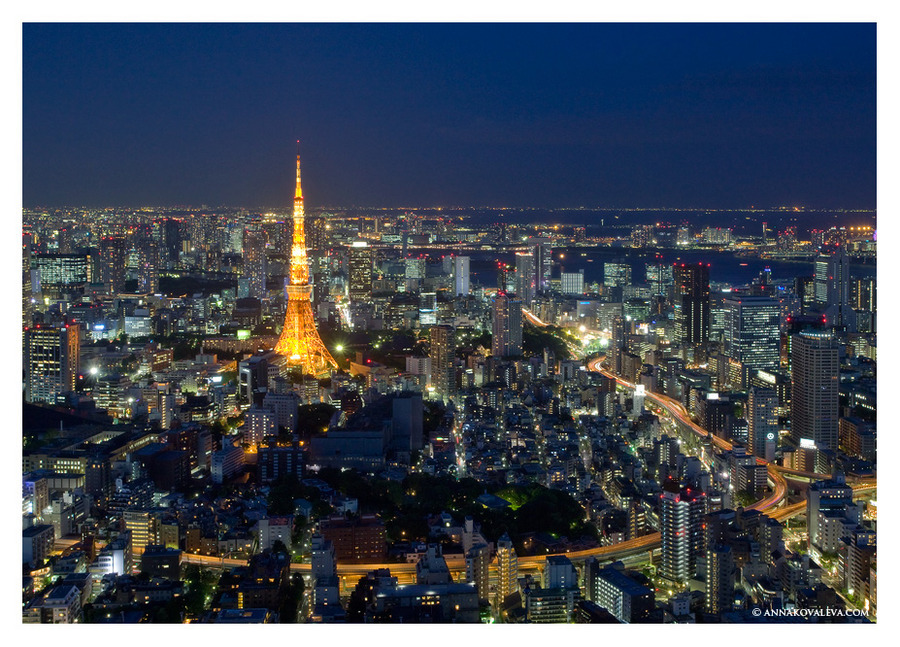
[
  {"x": 629, "y": 115},
  {"x": 524, "y": 414}
]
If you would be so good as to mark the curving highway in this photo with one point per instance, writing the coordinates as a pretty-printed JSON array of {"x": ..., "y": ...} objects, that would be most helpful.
[
  {"x": 457, "y": 565},
  {"x": 677, "y": 411}
]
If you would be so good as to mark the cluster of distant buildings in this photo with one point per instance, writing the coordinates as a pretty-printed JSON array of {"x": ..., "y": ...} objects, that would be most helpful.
[{"x": 156, "y": 425}]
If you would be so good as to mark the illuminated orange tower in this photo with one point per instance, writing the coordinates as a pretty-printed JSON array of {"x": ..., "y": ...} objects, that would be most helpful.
[{"x": 299, "y": 339}]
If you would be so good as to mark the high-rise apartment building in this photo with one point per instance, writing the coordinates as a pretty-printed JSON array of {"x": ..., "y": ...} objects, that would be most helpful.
[
  {"x": 442, "y": 353},
  {"x": 507, "y": 569},
  {"x": 680, "y": 518},
  {"x": 51, "y": 362},
  {"x": 720, "y": 578}
]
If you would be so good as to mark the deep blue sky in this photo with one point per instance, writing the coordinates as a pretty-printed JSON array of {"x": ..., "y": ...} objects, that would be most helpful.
[{"x": 608, "y": 115}]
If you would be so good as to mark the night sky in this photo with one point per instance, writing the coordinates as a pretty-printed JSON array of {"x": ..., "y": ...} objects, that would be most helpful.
[{"x": 546, "y": 115}]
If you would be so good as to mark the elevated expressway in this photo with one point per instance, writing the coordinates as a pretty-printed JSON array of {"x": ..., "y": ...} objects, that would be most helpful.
[{"x": 349, "y": 574}]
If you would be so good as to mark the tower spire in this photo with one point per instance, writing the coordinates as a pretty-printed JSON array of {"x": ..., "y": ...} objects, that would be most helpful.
[
  {"x": 300, "y": 341},
  {"x": 299, "y": 192}
]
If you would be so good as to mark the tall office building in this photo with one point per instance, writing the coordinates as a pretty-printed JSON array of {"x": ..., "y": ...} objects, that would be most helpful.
[
  {"x": 507, "y": 327},
  {"x": 616, "y": 274},
  {"x": 833, "y": 289},
  {"x": 255, "y": 261},
  {"x": 680, "y": 519},
  {"x": 805, "y": 290},
  {"x": 360, "y": 266},
  {"x": 660, "y": 277},
  {"x": 525, "y": 277},
  {"x": 461, "y": 276},
  {"x": 142, "y": 526},
  {"x": 62, "y": 272},
  {"x": 442, "y": 353},
  {"x": 507, "y": 569},
  {"x": 691, "y": 303},
  {"x": 815, "y": 383},
  {"x": 571, "y": 282},
  {"x": 51, "y": 362},
  {"x": 762, "y": 422},
  {"x": 752, "y": 334}
]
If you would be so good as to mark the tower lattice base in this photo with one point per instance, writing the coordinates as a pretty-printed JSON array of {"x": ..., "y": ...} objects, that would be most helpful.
[{"x": 300, "y": 340}]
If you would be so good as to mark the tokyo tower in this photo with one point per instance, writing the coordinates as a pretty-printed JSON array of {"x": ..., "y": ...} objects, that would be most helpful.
[{"x": 300, "y": 340}]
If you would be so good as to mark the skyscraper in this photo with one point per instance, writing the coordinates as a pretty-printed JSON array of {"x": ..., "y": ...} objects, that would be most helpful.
[
  {"x": 442, "y": 353},
  {"x": 762, "y": 422},
  {"x": 525, "y": 277},
  {"x": 863, "y": 300},
  {"x": 691, "y": 304},
  {"x": 616, "y": 274},
  {"x": 680, "y": 517},
  {"x": 300, "y": 341},
  {"x": 360, "y": 270},
  {"x": 660, "y": 278},
  {"x": 507, "y": 327},
  {"x": 461, "y": 276},
  {"x": 617, "y": 344},
  {"x": 833, "y": 289},
  {"x": 27, "y": 240},
  {"x": 255, "y": 261},
  {"x": 170, "y": 241},
  {"x": 51, "y": 362},
  {"x": 113, "y": 250},
  {"x": 543, "y": 263},
  {"x": 752, "y": 335},
  {"x": 814, "y": 391}
]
